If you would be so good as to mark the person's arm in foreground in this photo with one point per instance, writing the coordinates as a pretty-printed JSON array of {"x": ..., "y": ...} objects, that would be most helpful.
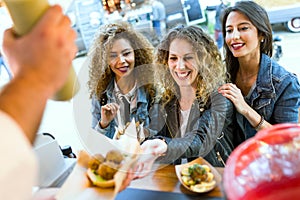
[{"x": 41, "y": 61}]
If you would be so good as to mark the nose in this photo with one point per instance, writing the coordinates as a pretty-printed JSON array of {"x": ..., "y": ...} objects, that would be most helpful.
[
  {"x": 121, "y": 59},
  {"x": 180, "y": 64},
  {"x": 236, "y": 34}
]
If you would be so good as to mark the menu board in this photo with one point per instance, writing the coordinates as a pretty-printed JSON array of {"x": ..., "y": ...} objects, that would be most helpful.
[
  {"x": 193, "y": 12},
  {"x": 89, "y": 14}
]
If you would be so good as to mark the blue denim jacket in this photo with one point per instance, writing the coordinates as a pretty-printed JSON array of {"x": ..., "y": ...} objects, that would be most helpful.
[
  {"x": 276, "y": 96},
  {"x": 140, "y": 113}
]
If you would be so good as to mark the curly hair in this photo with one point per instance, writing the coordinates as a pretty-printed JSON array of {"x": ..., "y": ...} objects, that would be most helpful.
[
  {"x": 100, "y": 74},
  {"x": 211, "y": 70}
]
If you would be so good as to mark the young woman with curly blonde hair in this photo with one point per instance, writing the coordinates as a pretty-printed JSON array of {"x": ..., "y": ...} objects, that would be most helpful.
[
  {"x": 120, "y": 78},
  {"x": 198, "y": 121}
]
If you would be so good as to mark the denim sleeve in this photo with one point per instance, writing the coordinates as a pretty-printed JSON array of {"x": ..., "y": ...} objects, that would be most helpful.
[
  {"x": 286, "y": 107},
  {"x": 207, "y": 128},
  {"x": 96, "y": 117}
]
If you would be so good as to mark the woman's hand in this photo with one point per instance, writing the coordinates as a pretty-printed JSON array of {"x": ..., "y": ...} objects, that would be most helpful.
[
  {"x": 152, "y": 149},
  {"x": 108, "y": 113},
  {"x": 234, "y": 94},
  {"x": 127, "y": 180}
]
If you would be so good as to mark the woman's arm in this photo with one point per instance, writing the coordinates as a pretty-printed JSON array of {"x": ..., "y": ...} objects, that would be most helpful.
[
  {"x": 286, "y": 108},
  {"x": 206, "y": 129},
  {"x": 233, "y": 93},
  {"x": 41, "y": 61}
]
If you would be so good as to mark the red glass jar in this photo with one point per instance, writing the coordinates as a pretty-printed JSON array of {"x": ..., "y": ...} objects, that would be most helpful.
[{"x": 265, "y": 166}]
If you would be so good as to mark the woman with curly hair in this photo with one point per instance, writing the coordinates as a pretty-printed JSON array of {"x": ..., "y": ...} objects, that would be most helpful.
[
  {"x": 120, "y": 72},
  {"x": 198, "y": 120}
]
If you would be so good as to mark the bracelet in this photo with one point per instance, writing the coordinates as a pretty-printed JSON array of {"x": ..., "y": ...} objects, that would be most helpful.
[{"x": 259, "y": 125}]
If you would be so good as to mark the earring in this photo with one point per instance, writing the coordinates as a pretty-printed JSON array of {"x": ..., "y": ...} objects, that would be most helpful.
[{"x": 262, "y": 40}]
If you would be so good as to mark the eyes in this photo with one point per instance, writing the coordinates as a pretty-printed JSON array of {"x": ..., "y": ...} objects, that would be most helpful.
[
  {"x": 240, "y": 29},
  {"x": 126, "y": 53},
  {"x": 174, "y": 58}
]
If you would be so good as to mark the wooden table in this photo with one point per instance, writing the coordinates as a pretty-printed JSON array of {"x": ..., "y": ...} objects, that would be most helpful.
[
  {"x": 161, "y": 182},
  {"x": 165, "y": 179}
]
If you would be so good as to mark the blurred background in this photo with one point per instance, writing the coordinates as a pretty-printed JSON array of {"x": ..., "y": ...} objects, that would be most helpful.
[{"x": 88, "y": 15}]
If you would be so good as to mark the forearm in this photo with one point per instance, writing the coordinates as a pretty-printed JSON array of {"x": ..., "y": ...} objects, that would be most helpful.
[
  {"x": 103, "y": 124},
  {"x": 180, "y": 148},
  {"x": 255, "y": 119},
  {"x": 24, "y": 100},
  {"x": 41, "y": 68},
  {"x": 96, "y": 123}
]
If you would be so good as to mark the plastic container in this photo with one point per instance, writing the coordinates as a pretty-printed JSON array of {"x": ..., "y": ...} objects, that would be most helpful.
[{"x": 265, "y": 166}]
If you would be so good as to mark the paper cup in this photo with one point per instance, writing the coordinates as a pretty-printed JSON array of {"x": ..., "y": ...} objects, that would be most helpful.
[{"x": 25, "y": 14}]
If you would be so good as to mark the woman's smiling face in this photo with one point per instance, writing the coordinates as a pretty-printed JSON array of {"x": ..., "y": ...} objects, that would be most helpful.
[
  {"x": 241, "y": 35},
  {"x": 182, "y": 62},
  {"x": 121, "y": 58}
]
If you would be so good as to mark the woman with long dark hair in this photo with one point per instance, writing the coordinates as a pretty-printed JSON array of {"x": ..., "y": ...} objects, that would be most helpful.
[{"x": 263, "y": 92}]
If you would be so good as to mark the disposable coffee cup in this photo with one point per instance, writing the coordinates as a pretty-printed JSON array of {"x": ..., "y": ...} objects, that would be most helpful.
[{"x": 25, "y": 14}]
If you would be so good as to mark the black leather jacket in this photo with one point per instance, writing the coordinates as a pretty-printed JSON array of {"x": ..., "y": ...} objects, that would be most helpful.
[{"x": 209, "y": 132}]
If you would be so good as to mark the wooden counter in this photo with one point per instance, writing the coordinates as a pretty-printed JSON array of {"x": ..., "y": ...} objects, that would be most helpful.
[
  {"x": 165, "y": 179},
  {"x": 162, "y": 183}
]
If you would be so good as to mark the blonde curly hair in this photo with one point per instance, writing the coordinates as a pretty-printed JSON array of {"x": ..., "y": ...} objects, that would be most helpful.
[
  {"x": 211, "y": 70},
  {"x": 100, "y": 73}
]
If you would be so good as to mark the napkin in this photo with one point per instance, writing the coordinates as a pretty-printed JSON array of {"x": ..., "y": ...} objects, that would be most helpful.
[
  {"x": 132, "y": 130},
  {"x": 98, "y": 143}
]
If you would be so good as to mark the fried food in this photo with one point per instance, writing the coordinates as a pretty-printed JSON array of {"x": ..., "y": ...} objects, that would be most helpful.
[
  {"x": 107, "y": 170},
  {"x": 114, "y": 156},
  {"x": 95, "y": 161},
  {"x": 101, "y": 170}
]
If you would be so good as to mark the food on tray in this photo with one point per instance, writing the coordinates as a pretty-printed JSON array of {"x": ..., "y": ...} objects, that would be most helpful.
[
  {"x": 198, "y": 178},
  {"x": 95, "y": 161},
  {"x": 114, "y": 156},
  {"x": 107, "y": 170},
  {"x": 100, "y": 169}
]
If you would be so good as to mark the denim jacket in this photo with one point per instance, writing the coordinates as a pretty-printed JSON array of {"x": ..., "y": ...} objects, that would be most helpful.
[
  {"x": 140, "y": 113},
  {"x": 276, "y": 96},
  {"x": 210, "y": 130}
]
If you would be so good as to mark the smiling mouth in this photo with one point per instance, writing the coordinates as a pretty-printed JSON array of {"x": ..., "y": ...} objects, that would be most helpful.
[
  {"x": 182, "y": 75},
  {"x": 123, "y": 69},
  {"x": 237, "y": 46}
]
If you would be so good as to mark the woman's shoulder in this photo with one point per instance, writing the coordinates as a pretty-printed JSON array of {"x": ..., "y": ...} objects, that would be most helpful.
[
  {"x": 282, "y": 78},
  {"x": 217, "y": 98},
  {"x": 216, "y": 95},
  {"x": 279, "y": 72}
]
